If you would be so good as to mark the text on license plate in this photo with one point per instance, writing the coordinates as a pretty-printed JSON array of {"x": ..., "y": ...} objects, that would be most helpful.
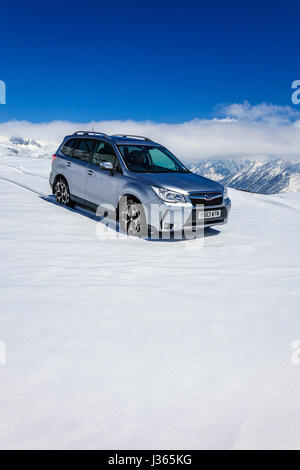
[{"x": 209, "y": 214}]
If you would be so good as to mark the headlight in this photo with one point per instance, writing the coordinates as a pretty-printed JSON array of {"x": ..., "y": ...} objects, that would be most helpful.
[
  {"x": 167, "y": 195},
  {"x": 225, "y": 193}
]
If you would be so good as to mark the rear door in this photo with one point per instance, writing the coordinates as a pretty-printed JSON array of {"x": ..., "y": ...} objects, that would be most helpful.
[{"x": 78, "y": 168}]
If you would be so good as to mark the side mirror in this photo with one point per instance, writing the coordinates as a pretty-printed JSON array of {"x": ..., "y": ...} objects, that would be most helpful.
[{"x": 106, "y": 166}]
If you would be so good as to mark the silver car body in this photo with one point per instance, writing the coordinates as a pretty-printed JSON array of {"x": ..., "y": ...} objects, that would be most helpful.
[{"x": 94, "y": 187}]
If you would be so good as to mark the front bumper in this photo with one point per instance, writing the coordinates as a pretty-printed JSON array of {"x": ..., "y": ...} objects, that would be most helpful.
[
  {"x": 165, "y": 217},
  {"x": 194, "y": 221}
]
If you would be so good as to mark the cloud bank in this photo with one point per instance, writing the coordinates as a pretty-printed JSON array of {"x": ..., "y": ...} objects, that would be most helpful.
[{"x": 236, "y": 131}]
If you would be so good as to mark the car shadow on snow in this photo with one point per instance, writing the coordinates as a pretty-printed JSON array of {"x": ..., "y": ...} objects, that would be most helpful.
[{"x": 208, "y": 232}]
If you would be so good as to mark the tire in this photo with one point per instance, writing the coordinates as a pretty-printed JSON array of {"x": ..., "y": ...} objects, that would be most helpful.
[
  {"x": 132, "y": 218},
  {"x": 62, "y": 192}
]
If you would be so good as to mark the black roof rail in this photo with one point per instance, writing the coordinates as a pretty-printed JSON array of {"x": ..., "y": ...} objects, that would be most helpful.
[
  {"x": 89, "y": 133},
  {"x": 135, "y": 136}
]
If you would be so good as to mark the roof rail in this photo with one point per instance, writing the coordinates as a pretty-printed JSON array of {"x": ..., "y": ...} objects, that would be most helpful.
[
  {"x": 131, "y": 135},
  {"x": 89, "y": 133}
]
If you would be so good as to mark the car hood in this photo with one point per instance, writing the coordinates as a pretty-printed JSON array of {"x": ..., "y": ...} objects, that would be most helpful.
[{"x": 179, "y": 182}]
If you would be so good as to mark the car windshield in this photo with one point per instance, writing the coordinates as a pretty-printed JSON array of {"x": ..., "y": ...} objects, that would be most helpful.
[{"x": 147, "y": 159}]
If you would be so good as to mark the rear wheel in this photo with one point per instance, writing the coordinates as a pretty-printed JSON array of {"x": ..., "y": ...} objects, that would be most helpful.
[
  {"x": 132, "y": 218},
  {"x": 62, "y": 192}
]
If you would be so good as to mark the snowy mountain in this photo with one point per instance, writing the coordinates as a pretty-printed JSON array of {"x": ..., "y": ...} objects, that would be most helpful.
[
  {"x": 265, "y": 176},
  {"x": 18, "y": 146},
  {"x": 261, "y": 176}
]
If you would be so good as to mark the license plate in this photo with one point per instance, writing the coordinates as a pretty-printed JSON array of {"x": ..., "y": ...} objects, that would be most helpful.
[{"x": 209, "y": 214}]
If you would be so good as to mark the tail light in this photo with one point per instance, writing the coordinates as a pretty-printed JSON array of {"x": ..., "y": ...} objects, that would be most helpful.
[{"x": 54, "y": 157}]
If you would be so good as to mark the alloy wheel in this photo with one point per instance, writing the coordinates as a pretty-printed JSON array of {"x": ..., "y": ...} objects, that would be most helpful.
[
  {"x": 131, "y": 220},
  {"x": 62, "y": 193}
]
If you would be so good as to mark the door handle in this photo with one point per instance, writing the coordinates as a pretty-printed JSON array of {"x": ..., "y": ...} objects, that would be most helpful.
[
  {"x": 90, "y": 172},
  {"x": 69, "y": 164}
]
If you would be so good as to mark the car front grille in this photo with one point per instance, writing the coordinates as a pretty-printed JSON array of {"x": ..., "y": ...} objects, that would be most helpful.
[{"x": 206, "y": 199}]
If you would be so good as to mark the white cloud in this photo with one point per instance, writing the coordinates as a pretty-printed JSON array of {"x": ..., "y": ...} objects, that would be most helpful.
[
  {"x": 237, "y": 131},
  {"x": 264, "y": 112}
]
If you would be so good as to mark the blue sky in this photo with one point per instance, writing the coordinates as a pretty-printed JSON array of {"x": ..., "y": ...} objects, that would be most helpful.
[{"x": 158, "y": 60}]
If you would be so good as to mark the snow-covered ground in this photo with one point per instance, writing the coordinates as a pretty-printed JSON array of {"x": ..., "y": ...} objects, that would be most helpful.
[{"x": 126, "y": 343}]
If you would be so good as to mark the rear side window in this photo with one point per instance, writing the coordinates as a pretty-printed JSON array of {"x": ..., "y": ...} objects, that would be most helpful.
[
  {"x": 68, "y": 147},
  {"x": 83, "y": 150}
]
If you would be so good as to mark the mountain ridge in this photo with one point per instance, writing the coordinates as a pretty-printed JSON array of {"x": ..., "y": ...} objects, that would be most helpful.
[{"x": 259, "y": 176}]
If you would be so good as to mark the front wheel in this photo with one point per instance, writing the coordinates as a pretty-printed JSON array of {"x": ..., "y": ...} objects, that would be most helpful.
[
  {"x": 62, "y": 192},
  {"x": 132, "y": 217}
]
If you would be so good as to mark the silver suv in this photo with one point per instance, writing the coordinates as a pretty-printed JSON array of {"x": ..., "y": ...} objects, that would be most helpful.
[{"x": 136, "y": 181}]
